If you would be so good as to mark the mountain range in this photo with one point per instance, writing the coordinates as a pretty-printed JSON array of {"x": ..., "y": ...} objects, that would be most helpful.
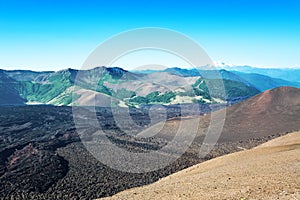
[
  {"x": 288, "y": 74},
  {"x": 113, "y": 86}
]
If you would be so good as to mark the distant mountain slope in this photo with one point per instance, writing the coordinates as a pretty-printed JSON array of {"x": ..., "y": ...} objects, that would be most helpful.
[
  {"x": 124, "y": 87},
  {"x": 285, "y": 74},
  {"x": 263, "y": 82},
  {"x": 208, "y": 74},
  {"x": 249, "y": 77},
  {"x": 225, "y": 75},
  {"x": 9, "y": 95},
  {"x": 269, "y": 171},
  {"x": 169, "y": 86},
  {"x": 26, "y": 75},
  {"x": 183, "y": 72},
  {"x": 52, "y": 86},
  {"x": 271, "y": 112}
]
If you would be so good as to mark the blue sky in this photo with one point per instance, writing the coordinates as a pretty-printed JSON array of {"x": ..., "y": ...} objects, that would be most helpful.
[{"x": 56, "y": 34}]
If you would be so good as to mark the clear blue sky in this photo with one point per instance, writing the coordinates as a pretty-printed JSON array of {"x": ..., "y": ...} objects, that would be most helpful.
[{"x": 56, "y": 34}]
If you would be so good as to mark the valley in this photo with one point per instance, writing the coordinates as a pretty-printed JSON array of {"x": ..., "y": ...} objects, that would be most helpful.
[
  {"x": 162, "y": 100},
  {"x": 42, "y": 155}
]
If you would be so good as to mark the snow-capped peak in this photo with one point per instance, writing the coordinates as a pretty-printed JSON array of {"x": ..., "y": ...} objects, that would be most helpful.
[{"x": 222, "y": 64}]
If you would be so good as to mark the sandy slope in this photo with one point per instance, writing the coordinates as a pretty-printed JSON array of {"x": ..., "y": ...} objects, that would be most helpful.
[{"x": 270, "y": 171}]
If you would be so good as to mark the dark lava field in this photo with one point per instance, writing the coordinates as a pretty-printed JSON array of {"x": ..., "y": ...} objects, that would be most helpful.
[{"x": 42, "y": 156}]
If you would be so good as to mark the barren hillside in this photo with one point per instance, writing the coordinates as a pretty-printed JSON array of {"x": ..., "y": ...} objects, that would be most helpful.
[
  {"x": 270, "y": 171},
  {"x": 269, "y": 113}
]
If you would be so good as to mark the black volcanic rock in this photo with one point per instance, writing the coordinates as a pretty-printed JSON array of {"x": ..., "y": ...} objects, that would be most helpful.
[
  {"x": 31, "y": 169},
  {"x": 41, "y": 156}
]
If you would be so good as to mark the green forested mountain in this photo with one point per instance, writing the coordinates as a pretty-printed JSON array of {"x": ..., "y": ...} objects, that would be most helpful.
[{"x": 124, "y": 88}]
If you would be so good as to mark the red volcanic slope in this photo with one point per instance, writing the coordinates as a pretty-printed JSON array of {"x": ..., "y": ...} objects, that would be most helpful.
[{"x": 274, "y": 111}]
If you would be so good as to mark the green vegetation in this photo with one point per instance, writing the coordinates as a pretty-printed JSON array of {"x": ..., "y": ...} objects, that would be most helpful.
[
  {"x": 109, "y": 79},
  {"x": 43, "y": 92},
  {"x": 53, "y": 88},
  {"x": 105, "y": 90},
  {"x": 154, "y": 97},
  {"x": 214, "y": 88},
  {"x": 139, "y": 100},
  {"x": 237, "y": 89}
]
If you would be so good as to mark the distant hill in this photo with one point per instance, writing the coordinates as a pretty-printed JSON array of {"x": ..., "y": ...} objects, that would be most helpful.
[
  {"x": 263, "y": 82},
  {"x": 9, "y": 95},
  {"x": 287, "y": 74},
  {"x": 119, "y": 87},
  {"x": 274, "y": 111},
  {"x": 183, "y": 72},
  {"x": 26, "y": 75},
  {"x": 262, "y": 79}
]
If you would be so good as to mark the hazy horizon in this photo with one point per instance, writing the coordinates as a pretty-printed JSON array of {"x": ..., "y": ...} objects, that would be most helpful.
[{"x": 141, "y": 68}]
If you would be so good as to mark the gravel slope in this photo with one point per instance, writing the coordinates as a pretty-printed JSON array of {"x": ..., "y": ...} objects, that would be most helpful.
[{"x": 269, "y": 171}]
